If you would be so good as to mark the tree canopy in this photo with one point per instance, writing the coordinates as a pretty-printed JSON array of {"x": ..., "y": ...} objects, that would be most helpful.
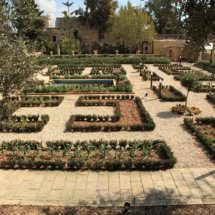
[
  {"x": 97, "y": 13},
  {"x": 199, "y": 22},
  {"x": 17, "y": 66},
  {"x": 132, "y": 25},
  {"x": 166, "y": 15}
]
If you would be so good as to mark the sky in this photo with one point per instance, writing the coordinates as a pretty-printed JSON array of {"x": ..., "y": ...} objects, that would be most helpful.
[{"x": 54, "y": 7}]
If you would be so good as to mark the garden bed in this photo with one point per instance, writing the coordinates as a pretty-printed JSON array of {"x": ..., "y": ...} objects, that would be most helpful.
[
  {"x": 204, "y": 129},
  {"x": 170, "y": 93},
  {"x": 175, "y": 70},
  {"x": 92, "y": 155},
  {"x": 130, "y": 115},
  {"x": 21, "y": 124}
]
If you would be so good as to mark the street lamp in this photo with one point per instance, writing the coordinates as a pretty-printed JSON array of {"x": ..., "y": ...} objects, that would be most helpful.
[
  {"x": 151, "y": 79},
  {"x": 160, "y": 86},
  {"x": 140, "y": 68},
  {"x": 144, "y": 73}
]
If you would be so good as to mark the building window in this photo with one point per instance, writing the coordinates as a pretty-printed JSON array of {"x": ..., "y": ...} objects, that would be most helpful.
[
  {"x": 101, "y": 36},
  {"x": 54, "y": 38},
  {"x": 76, "y": 34}
]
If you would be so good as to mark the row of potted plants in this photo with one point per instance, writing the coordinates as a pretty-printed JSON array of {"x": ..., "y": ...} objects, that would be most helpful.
[
  {"x": 100, "y": 155},
  {"x": 167, "y": 65},
  {"x": 22, "y": 124},
  {"x": 178, "y": 95},
  {"x": 204, "y": 138}
]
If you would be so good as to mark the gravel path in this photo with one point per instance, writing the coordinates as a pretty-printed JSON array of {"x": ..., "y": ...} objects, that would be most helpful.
[{"x": 169, "y": 126}]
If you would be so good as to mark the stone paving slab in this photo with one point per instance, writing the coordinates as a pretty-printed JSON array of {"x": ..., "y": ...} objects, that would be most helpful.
[{"x": 178, "y": 186}]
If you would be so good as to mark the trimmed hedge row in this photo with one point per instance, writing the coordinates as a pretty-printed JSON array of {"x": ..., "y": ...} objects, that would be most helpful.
[
  {"x": 181, "y": 96},
  {"x": 19, "y": 124},
  {"x": 79, "y": 162},
  {"x": 208, "y": 143},
  {"x": 210, "y": 97},
  {"x": 148, "y": 124},
  {"x": 95, "y": 60},
  {"x": 205, "y": 65}
]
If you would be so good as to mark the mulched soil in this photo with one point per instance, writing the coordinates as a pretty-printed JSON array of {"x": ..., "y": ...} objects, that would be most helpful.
[
  {"x": 166, "y": 92},
  {"x": 129, "y": 115},
  {"x": 207, "y": 130},
  {"x": 152, "y": 210}
]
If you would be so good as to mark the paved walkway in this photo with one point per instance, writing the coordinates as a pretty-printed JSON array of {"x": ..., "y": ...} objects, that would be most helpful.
[{"x": 176, "y": 186}]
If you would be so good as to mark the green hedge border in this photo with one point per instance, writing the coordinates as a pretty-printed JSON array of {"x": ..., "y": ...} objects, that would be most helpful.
[
  {"x": 148, "y": 125},
  {"x": 170, "y": 99},
  {"x": 209, "y": 144}
]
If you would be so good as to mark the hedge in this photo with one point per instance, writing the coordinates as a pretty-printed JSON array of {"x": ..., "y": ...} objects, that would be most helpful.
[
  {"x": 93, "y": 60},
  {"x": 181, "y": 96},
  {"x": 208, "y": 143}
]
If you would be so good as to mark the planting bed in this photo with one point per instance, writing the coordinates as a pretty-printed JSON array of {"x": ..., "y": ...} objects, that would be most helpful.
[
  {"x": 175, "y": 70},
  {"x": 129, "y": 115},
  {"x": 101, "y": 155},
  {"x": 204, "y": 129},
  {"x": 170, "y": 93}
]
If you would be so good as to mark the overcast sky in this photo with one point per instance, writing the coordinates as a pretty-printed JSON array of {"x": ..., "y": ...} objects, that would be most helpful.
[{"x": 54, "y": 7}]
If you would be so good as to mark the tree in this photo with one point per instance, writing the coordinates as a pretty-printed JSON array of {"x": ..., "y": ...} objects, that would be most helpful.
[
  {"x": 27, "y": 20},
  {"x": 69, "y": 40},
  {"x": 17, "y": 67},
  {"x": 190, "y": 81},
  {"x": 166, "y": 15},
  {"x": 97, "y": 13},
  {"x": 132, "y": 26},
  {"x": 199, "y": 23}
]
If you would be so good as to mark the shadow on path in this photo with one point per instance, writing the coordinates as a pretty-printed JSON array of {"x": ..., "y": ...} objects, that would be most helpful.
[{"x": 167, "y": 115}]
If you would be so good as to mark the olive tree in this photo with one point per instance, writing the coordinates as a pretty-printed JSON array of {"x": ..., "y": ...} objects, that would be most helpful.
[{"x": 17, "y": 64}]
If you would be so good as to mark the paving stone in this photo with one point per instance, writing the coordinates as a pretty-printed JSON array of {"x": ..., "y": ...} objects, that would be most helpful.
[
  {"x": 189, "y": 180},
  {"x": 197, "y": 193},
  {"x": 126, "y": 195},
  {"x": 125, "y": 182},
  {"x": 4, "y": 184},
  {"x": 210, "y": 180},
  {"x": 8, "y": 193},
  {"x": 173, "y": 193},
  {"x": 183, "y": 189},
  {"x": 22, "y": 188},
  {"x": 135, "y": 176},
  {"x": 169, "y": 184},
  {"x": 113, "y": 176},
  {"x": 208, "y": 201},
  {"x": 31, "y": 194},
  {"x": 37, "y": 182},
  {"x": 81, "y": 182},
  {"x": 51, "y": 176},
  {"x": 166, "y": 176},
  {"x": 9, "y": 174},
  {"x": 137, "y": 189},
  {"x": 93, "y": 176},
  {"x": 206, "y": 189},
  {"x": 177, "y": 176},
  {"x": 55, "y": 195},
  {"x": 103, "y": 182},
  {"x": 184, "y": 171},
  {"x": 72, "y": 176},
  {"x": 68, "y": 189},
  {"x": 91, "y": 190},
  {"x": 59, "y": 182},
  {"x": 78, "y": 194},
  {"x": 156, "y": 176},
  {"x": 154, "y": 202},
  {"x": 103, "y": 195},
  {"x": 15, "y": 182},
  {"x": 147, "y": 182},
  {"x": 45, "y": 189}
]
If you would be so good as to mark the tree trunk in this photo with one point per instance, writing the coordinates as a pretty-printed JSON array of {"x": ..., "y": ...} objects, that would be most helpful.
[
  {"x": 186, "y": 99},
  {"x": 212, "y": 54}
]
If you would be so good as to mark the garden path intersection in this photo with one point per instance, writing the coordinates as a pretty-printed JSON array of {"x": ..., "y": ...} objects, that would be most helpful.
[{"x": 191, "y": 181}]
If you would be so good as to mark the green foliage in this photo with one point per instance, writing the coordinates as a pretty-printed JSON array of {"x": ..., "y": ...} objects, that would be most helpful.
[{"x": 137, "y": 20}]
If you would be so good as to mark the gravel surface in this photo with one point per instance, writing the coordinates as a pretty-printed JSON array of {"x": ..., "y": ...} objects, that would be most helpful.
[{"x": 169, "y": 126}]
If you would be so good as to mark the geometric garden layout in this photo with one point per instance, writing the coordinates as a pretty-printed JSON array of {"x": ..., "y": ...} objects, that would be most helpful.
[{"x": 141, "y": 134}]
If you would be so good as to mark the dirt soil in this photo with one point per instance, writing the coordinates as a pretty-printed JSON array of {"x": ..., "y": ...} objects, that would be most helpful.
[
  {"x": 151, "y": 210},
  {"x": 129, "y": 115},
  {"x": 166, "y": 92}
]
